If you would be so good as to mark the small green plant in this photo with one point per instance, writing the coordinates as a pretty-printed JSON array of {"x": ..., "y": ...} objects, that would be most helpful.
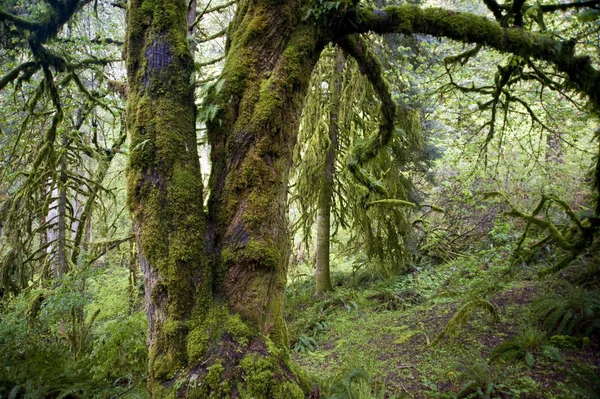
[
  {"x": 572, "y": 312},
  {"x": 392, "y": 299},
  {"x": 479, "y": 381},
  {"x": 356, "y": 384},
  {"x": 338, "y": 301},
  {"x": 305, "y": 344},
  {"x": 585, "y": 381},
  {"x": 525, "y": 346}
]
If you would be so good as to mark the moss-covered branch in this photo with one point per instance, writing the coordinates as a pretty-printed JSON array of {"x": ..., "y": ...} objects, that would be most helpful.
[
  {"x": 41, "y": 31},
  {"x": 13, "y": 74},
  {"x": 575, "y": 241},
  {"x": 398, "y": 202},
  {"x": 18, "y": 22},
  {"x": 470, "y": 28}
]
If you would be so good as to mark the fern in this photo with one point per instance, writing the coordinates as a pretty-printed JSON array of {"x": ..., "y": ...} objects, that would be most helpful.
[
  {"x": 575, "y": 311},
  {"x": 524, "y": 346},
  {"x": 356, "y": 384},
  {"x": 464, "y": 313},
  {"x": 305, "y": 344},
  {"x": 480, "y": 380},
  {"x": 391, "y": 299}
]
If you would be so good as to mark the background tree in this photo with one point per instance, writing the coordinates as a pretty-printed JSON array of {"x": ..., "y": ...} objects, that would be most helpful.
[{"x": 381, "y": 232}]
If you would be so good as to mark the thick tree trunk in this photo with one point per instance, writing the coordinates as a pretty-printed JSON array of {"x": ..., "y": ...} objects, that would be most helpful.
[
  {"x": 164, "y": 184},
  {"x": 270, "y": 57},
  {"x": 322, "y": 272},
  {"x": 215, "y": 310}
]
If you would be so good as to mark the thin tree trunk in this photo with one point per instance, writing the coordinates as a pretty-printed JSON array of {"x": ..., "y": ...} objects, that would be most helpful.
[
  {"x": 322, "y": 273},
  {"x": 133, "y": 294},
  {"x": 61, "y": 248}
]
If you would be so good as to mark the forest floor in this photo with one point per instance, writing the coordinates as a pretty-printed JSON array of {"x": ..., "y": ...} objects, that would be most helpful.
[{"x": 436, "y": 333}]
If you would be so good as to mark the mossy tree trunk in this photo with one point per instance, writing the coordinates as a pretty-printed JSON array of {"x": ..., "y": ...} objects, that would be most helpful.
[
  {"x": 214, "y": 283},
  {"x": 323, "y": 272},
  {"x": 164, "y": 185},
  {"x": 270, "y": 57}
]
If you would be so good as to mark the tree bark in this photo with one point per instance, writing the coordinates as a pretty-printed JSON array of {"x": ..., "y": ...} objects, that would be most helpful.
[
  {"x": 323, "y": 272},
  {"x": 219, "y": 321}
]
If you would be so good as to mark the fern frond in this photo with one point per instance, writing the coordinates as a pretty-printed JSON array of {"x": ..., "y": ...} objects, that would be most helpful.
[
  {"x": 571, "y": 312},
  {"x": 464, "y": 313},
  {"x": 521, "y": 346}
]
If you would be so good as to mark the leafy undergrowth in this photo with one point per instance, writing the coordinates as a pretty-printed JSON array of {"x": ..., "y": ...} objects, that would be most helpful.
[{"x": 473, "y": 328}]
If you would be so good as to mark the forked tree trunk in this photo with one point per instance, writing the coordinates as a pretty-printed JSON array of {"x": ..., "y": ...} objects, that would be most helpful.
[
  {"x": 323, "y": 271},
  {"x": 215, "y": 310}
]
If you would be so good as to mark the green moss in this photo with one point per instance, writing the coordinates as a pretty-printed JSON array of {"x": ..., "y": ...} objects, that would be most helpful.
[
  {"x": 172, "y": 328},
  {"x": 289, "y": 390},
  {"x": 163, "y": 366},
  {"x": 255, "y": 27},
  {"x": 237, "y": 329},
  {"x": 263, "y": 381},
  {"x": 268, "y": 101},
  {"x": 258, "y": 374},
  {"x": 259, "y": 253},
  {"x": 213, "y": 377},
  {"x": 197, "y": 344},
  {"x": 262, "y": 253}
]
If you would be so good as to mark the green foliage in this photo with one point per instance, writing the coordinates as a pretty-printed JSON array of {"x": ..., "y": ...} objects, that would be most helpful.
[
  {"x": 585, "y": 381},
  {"x": 464, "y": 313},
  {"x": 318, "y": 10},
  {"x": 524, "y": 346},
  {"x": 304, "y": 344},
  {"x": 480, "y": 380},
  {"x": 381, "y": 232},
  {"x": 356, "y": 384},
  {"x": 571, "y": 311},
  {"x": 338, "y": 301},
  {"x": 394, "y": 298},
  {"x": 76, "y": 340}
]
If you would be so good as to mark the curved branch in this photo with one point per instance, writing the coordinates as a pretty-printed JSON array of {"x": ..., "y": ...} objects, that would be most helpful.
[
  {"x": 220, "y": 33},
  {"x": 41, "y": 32},
  {"x": 14, "y": 73},
  {"x": 566, "y": 6},
  {"x": 19, "y": 22},
  {"x": 398, "y": 202},
  {"x": 470, "y": 28},
  {"x": 495, "y": 8}
]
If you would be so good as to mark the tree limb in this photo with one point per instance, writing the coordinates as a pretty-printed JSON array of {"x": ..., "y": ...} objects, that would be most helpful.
[
  {"x": 41, "y": 32},
  {"x": 566, "y": 6},
  {"x": 14, "y": 73},
  {"x": 212, "y": 37},
  {"x": 470, "y": 28}
]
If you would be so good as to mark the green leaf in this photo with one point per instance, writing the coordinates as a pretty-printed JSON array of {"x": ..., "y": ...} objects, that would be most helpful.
[{"x": 529, "y": 359}]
